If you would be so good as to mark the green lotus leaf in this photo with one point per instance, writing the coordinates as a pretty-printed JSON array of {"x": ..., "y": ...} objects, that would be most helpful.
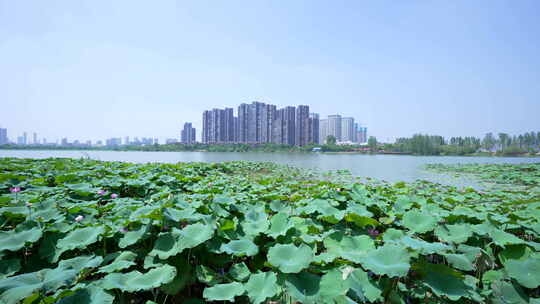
[
  {"x": 136, "y": 281},
  {"x": 361, "y": 287},
  {"x": 444, "y": 281},
  {"x": 503, "y": 238},
  {"x": 124, "y": 260},
  {"x": 255, "y": 222},
  {"x": 172, "y": 243},
  {"x": 14, "y": 289},
  {"x": 393, "y": 235},
  {"x": 289, "y": 258},
  {"x": 333, "y": 286},
  {"x": 207, "y": 275},
  {"x": 351, "y": 248},
  {"x": 239, "y": 272},
  {"x": 79, "y": 238},
  {"x": 505, "y": 292},
  {"x": 14, "y": 240},
  {"x": 224, "y": 292},
  {"x": 240, "y": 248},
  {"x": 419, "y": 222},
  {"x": 132, "y": 237},
  {"x": 261, "y": 286},
  {"x": 422, "y": 246},
  {"x": 391, "y": 260},
  {"x": 361, "y": 221},
  {"x": 279, "y": 225},
  {"x": 460, "y": 261},
  {"x": 303, "y": 287},
  {"x": 81, "y": 262},
  {"x": 458, "y": 233},
  {"x": 9, "y": 267},
  {"x": 526, "y": 272},
  {"x": 515, "y": 252},
  {"x": 88, "y": 295}
]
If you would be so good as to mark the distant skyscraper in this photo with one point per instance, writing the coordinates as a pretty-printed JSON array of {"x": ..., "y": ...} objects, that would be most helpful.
[
  {"x": 301, "y": 135},
  {"x": 243, "y": 113},
  {"x": 64, "y": 142},
  {"x": 188, "y": 134},
  {"x": 35, "y": 139},
  {"x": 218, "y": 126},
  {"x": 334, "y": 126},
  {"x": 126, "y": 141},
  {"x": 323, "y": 131},
  {"x": 268, "y": 117},
  {"x": 355, "y": 133},
  {"x": 25, "y": 138},
  {"x": 313, "y": 128},
  {"x": 3, "y": 136},
  {"x": 347, "y": 129}
]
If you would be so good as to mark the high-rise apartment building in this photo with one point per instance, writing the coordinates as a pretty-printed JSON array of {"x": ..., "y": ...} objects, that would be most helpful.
[
  {"x": 347, "y": 129},
  {"x": 313, "y": 128},
  {"x": 301, "y": 135},
  {"x": 334, "y": 126},
  {"x": 268, "y": 117},
  {"x": 25, "y": 138},
  {"x": 35, "y": 139},
  {"x": 3, "y": 136},
  {"x": 323, "y": 131},
  {"x": 188, "y": 135},
  {"x": 218, "y": 126}
]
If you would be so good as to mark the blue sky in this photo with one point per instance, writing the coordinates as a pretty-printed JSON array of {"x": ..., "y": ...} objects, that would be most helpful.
[{"x": 97, "y": 69}]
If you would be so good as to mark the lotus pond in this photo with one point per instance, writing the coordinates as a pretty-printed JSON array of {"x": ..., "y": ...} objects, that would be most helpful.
[{"x": 85, "y": 231}]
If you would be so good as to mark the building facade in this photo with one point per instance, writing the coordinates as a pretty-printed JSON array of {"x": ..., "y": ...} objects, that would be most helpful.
[
  {"x": 334, "y": 126},
  {"x": 3, "y": 136},
  {"x": 323, "y": 131},
  {"x": 347, "y": 130},
  {"x": 188, "y": 135},
  {"x": 301, "y": 134}
]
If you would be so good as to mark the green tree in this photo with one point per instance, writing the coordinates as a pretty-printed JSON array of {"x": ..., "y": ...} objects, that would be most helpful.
[
  {"x": 372, "y": 143},
  {"x": 330, "y": 140}
]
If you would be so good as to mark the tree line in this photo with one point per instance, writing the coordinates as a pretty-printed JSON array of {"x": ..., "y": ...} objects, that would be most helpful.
[{"x": 502, "y": 143}]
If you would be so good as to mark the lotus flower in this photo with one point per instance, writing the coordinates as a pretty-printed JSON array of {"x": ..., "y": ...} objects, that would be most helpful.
[
  {"x": 79, "y": 218},
  {"x": 28, "y": 204},
  {"x": 101, "y": 192},
  {"x": 15, "y": 189},
  {"x": 373, "y": 232},
  {"x": 114, "y": 195}
]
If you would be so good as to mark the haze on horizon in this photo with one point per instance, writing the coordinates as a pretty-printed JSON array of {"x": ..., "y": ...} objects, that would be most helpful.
[{"x": 91, "y": 70}]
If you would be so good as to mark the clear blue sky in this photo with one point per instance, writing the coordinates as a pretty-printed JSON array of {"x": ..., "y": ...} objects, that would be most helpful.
[{"x": 94, "y": 69}]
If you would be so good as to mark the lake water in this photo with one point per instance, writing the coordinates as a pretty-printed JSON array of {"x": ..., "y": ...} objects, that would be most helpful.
[{"x": 384, "y": 167}]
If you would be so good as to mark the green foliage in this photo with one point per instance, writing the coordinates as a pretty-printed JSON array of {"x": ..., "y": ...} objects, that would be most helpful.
[{"x": 263, "y": 233}]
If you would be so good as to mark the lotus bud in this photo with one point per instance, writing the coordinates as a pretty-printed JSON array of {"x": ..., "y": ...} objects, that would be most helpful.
[
  {"x": 114, "y": 195},
  {"x": 79, "y": 218}
]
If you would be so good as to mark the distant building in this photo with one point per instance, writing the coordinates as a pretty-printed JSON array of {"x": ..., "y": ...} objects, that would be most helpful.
[
  {"x": 362, "y": 135},
  {"x": 334, "y": 126},
  {"x": 64, "y": 142},
  {"x": 313, "y": 128},
  {"x": 188, "y": 134},
  {"x": 323, "y": 131},
  {"x": 347, "y": 129},
  {"x": 25, "y": 138},
  {"x": 3, "y": 136},
  {"x": 302, "y": 126},
  {"x": 113, "y": 142},
  {"x": 127, "y": 142},
  {"x": 35, "y": 139},
  {"x": 170, "y": 141}
]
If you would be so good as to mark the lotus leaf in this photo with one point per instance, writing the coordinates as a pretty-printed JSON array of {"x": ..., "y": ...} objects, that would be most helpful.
[
  {"x": 136, "y": 281},
  {"x": 240, "y": 248},
  {"x": 224, "y": 292},
  {"x": 261, "y": 286},
  {"x": 289, "y": 258},
  {"x": 391, "y": 260},
  {"x": 419, "y": 222}
]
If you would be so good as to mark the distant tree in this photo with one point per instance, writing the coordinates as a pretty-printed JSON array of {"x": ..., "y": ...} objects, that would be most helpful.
[
  {"x": 330, "y": 140},
  {"x": 372, "y": 143},
  {"x": 489, "y": 141}
]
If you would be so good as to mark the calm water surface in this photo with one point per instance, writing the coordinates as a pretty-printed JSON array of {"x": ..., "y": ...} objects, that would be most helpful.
[{"x": 384, "y": 167}]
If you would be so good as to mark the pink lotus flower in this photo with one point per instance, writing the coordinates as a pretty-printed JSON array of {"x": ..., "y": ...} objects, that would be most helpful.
[
  {"x": 101, "y": 192},
  {"x": 373, "y": 232},
  {"x": 79, "y": 218},
  {"x": 15, "y": 189},
  {"x": 114, "y": 195},
  {"x": 28, "y": 204}
]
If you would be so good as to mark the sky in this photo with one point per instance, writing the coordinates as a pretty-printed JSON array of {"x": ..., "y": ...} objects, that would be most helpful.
[{"x": 97, "y": 69}]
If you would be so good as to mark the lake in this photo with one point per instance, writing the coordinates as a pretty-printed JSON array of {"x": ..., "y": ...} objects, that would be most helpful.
[{"x": 391, "y": 168}]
